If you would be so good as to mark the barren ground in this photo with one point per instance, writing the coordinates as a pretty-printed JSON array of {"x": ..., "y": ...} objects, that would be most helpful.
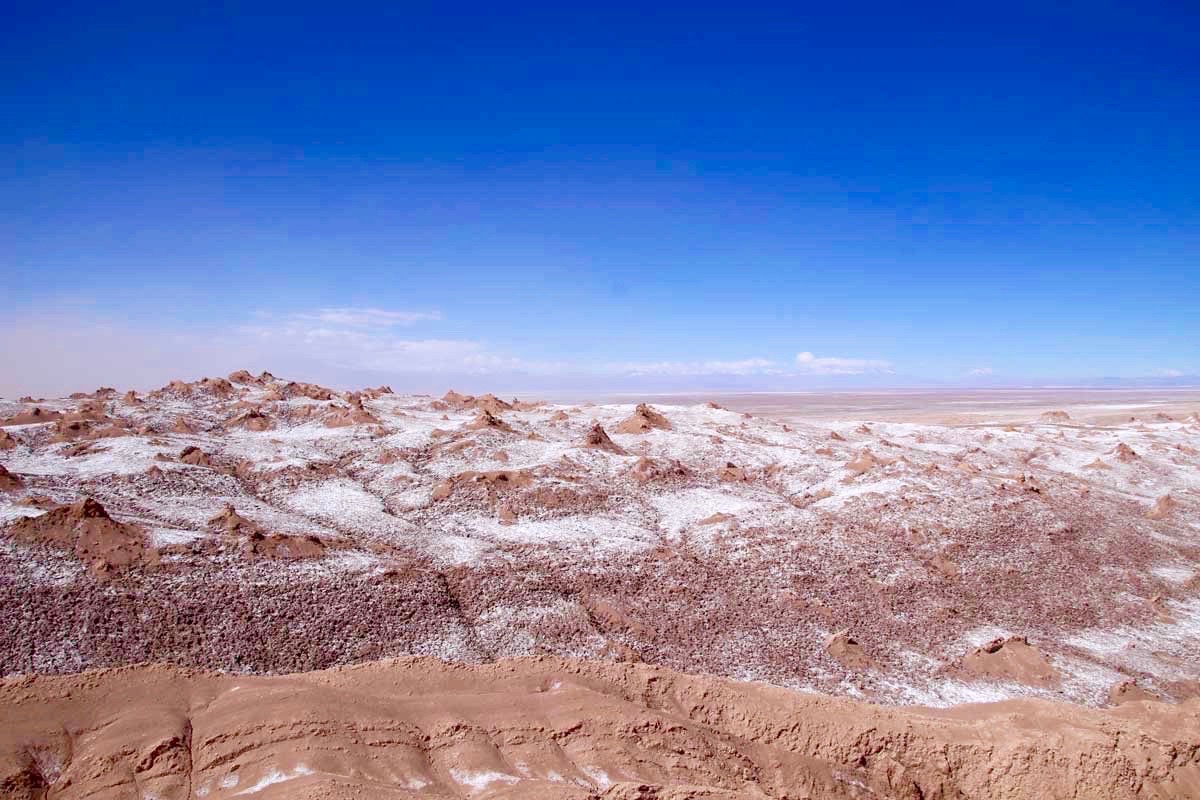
[{"x": 905, "y": 548}]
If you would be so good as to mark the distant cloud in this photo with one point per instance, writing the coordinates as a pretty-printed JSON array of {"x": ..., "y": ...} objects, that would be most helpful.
[
  {"x": 749, "y": 366},
  {"x": 1168, "y": 373},
  {"x": 981, "y": 371},
  {"x": 362, "y": 339},
  {"x": 369, "y": 317},
  {"x": 806, "y": 362}
]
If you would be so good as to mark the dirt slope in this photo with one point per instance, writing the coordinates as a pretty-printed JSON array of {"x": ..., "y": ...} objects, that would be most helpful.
[{"x": 552, "y": 728}]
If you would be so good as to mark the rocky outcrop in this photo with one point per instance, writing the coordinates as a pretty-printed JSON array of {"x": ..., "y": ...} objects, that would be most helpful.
[
  {"x": 598, "y": 439},
  {"x": 85, "y": 529},
  {"x": 643, "y": 420}
]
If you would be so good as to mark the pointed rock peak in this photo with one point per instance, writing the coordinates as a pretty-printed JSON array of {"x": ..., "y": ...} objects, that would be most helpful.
[
  {"x": 490, "y": 402},
  {"x": 1125, "y": 453},
  {"x": 486, "y": 419},
  {"x": 195, "y": 456},
  {"x": 457, "y": 400},
  {"x": 231, "y": 521},
  {"x": 643, "y": 419},
  {"x": 598, "y": 439},
  {"x": 85, "y": 528},
  {"x": 846, "y": 650},
  {"x": 87, "y": 508},
  {"x": 1012, "y": 658},
  {"x": 1162, "y": 507},
  {"x": 864, "y": 462}
]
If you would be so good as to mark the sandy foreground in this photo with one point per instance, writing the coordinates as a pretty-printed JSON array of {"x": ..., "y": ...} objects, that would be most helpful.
[
  {"x": 651, "y": 597},
  {"x": 551, "y": 728}
]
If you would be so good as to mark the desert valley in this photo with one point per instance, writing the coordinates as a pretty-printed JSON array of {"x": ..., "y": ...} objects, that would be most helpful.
[{"x": 249, "y": 585}]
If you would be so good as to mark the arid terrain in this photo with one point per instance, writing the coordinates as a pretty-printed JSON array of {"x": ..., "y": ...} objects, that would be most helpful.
[{"x": 700, "y": 597}]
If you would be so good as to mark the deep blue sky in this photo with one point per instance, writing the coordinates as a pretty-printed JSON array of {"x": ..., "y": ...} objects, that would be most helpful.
[{"x": 683, "y": 191}]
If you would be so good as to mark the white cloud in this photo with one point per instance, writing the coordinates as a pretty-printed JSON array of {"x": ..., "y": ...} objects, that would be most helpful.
[
  {"x": 362, "y": 339},
  {"x": 981, "y": 371},
  {"x": 828, "y": 365},
  {"x": 53, "y": 354},
  {"x": 1168, "y": 373},
  {"x": 748, "y": 366},
  {"x": 369, "y": 317}
]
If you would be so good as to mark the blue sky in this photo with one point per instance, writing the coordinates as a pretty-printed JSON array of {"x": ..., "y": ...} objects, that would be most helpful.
[{"x": 660, "y": 195}]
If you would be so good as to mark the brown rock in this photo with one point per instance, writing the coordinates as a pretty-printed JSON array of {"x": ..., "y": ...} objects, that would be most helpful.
[
  {"x": 1130, "y": 692},
  {"x": 597, "y": 439},
  {"x": 280, "y": 546},
  {"x": 87, "y": 530},
  {"x": 37, "y": 501},
  {"x": 1012, "y": 659},
  {"x": 230, "y": 521},
  {"x": 35, "y": 416},
  {"x": 487, "y": 420},
  {"x": 864, "y": 462},
  {"x": 487, "y": 402},
  {"x": 252, "y": 420},
  {"x": 8, "y": 481},
  {"x": 443, "y": 489},
  {"x": 732, "y": 473},
  {"x": 217, "y": 387},
  {"x": 847, "y": 652},
  {"x": 1163, "y": 507},
  {"x": 294, "y": 389},
  {"x": 244, "y": 377},
  {"x": 355, "y": 415},
  {"x": 643, "y": 420},
  {"x": 1125, "y": 453},
  {"x": 648, "y": 470},
  {"x": 195, "y": 456}
]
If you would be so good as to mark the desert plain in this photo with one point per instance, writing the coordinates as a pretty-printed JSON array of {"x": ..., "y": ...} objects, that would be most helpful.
[{"x": 251, "y": 586}]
